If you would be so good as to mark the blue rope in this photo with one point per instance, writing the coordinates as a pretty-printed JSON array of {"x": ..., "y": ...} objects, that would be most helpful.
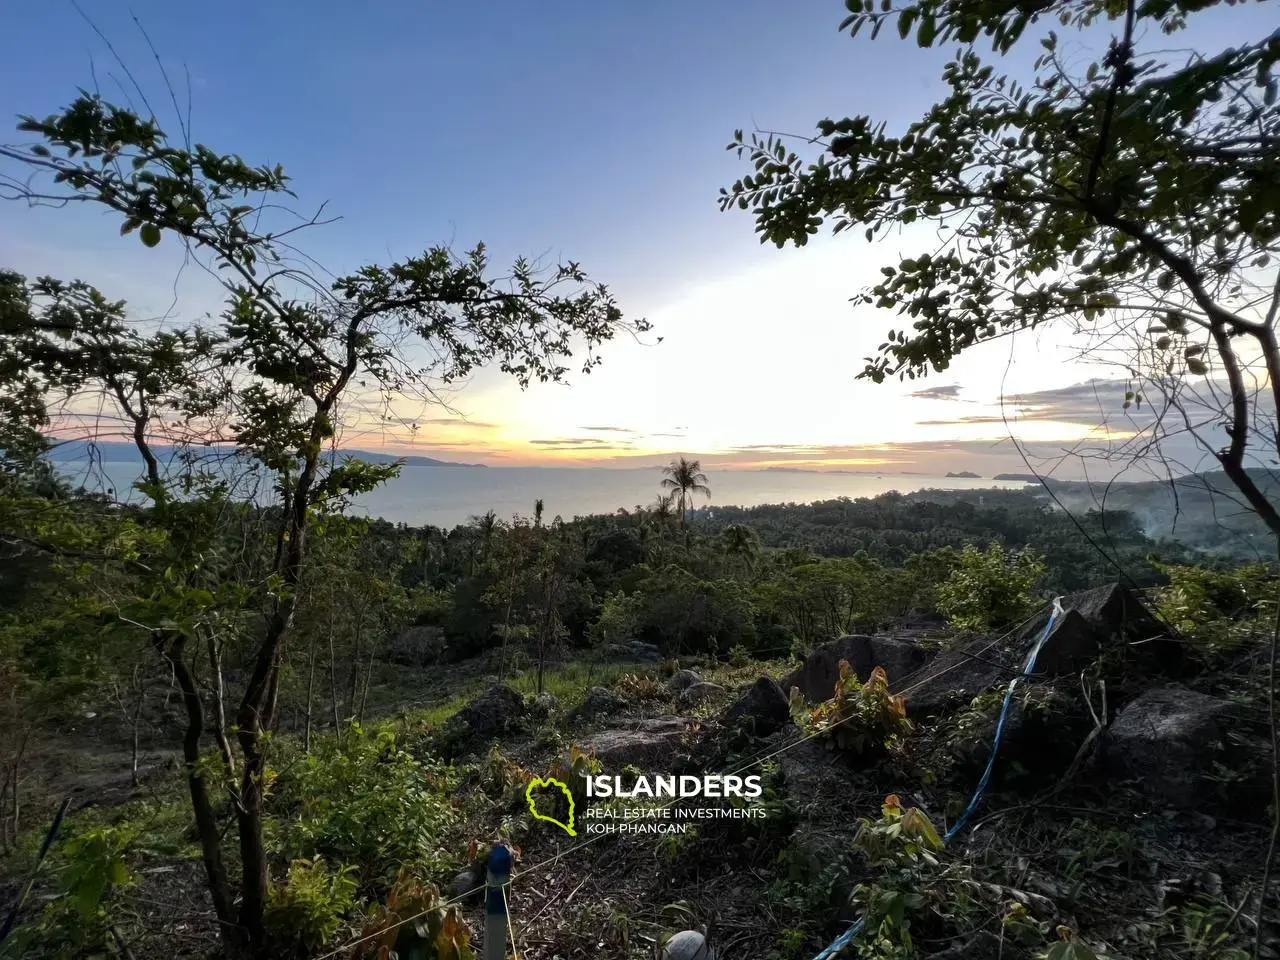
[{"x": 847, "y": 937}]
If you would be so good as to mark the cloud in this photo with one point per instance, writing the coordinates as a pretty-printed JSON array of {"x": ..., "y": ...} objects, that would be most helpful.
[
  {"x": 1093, "y": 403},
  {"x": 566, "y": 443},
  {"x": 461, "y": 422},
  {"x": 609, "y": 429},
  {"x": 951, "y": 392},
  {"x": 956, "y": 421}
]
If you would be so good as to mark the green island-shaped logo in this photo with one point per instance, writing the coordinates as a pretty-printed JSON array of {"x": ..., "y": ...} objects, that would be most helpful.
[{"x": 538, "y": 782}]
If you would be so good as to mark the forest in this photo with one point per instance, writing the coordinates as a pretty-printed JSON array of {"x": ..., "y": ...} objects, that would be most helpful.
[{"x": 1038, "y": 724}]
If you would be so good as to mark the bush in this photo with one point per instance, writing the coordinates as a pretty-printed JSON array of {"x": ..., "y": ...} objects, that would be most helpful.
[
  {"x": 1219, "y": 611},
  {"x": 990, "y": 589},
  {"x": 862, "y": 718},
  {"x": 360, "y": 800},
  {"x": 305, "y": 911}
]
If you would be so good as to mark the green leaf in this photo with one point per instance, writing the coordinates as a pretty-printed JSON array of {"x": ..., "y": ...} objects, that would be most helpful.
[{"x": 150, "y": 234}]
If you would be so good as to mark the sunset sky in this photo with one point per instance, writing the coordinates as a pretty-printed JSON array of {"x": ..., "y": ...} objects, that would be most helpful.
[{"x": 587, "y": 131}]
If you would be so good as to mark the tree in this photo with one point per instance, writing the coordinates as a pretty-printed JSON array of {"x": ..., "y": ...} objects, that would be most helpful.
[
  {"x": 275, "y": 384},
  {"x": 742, "y": 544},
  {"x": 990, "y": 589},
  {"x": 1135, "y": 197},
  {"x": 684, "y": 478}
]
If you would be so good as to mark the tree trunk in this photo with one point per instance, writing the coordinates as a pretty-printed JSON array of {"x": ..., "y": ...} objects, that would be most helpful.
[
  {"x": 353, "y": 679},
  {"x": 311, "y": 687},
  {"x": 201, "y": 805},
  {"x": 136, "y": 721},
  {"x": 333, "y": 684},
  {"x": 364, "y": 693},
  {"x": 219, "y": 707}
]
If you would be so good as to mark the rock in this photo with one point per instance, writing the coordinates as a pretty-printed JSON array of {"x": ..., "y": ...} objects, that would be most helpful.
[
  {"x": 682, "y": 681},
  {"x": 818, "y": 675},
  {"x": 1107, "y": 619},
  {"x": 488, "y": 714},
  {"x": 699, "y": 693},
  {"x": 1170, "y": 739},
  {"x": 688, "y": 945},
  {"x": 953, "y": 679},
  {"x": 762, "y": 709},
  {"x": 545, "y": 704},
  {"x": 602, "y": 700},
  {"x": 644, "y": 651},
  {"x": 466, "y": 886},
  {"x": 1110, "y": 617},
  {"x": 631, "y": 650},
  {"x": 650, "y": 743},
  {"x": 417, "y": 646}
]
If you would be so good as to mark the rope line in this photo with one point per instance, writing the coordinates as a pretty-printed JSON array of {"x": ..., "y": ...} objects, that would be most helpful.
[
  {"x": 842, "y": 941},
  {"x": 749, "y": 765}
]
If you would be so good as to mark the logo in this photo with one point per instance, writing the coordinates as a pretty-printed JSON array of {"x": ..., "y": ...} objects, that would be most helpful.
[{"x": 537, "y": 783}]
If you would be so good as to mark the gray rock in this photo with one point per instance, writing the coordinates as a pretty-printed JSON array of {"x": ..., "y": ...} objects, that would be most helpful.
[
  {"x": 699, "y": 693},
  {"x": 818, "y": 675},
  {"x": 417, "y": 646},
  {"x": 762, "y": 709},
  {"x": 1170, "y": 739},
  {"x": 601, "y": 701},
  {"x": 644, "y": 651},
  {"x": 544, "y": 704},
  {"x": 688, "y": 945},
  {"x": 1108, "y": 617},
  {"x": 465, "y": 884},
  {"x": 682, "y": 681},
  {"x": 488, "y": 714},
  {"x": 649, "y": 742}
]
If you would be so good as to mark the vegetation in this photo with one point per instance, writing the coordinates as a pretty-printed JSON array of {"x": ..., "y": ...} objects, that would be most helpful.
[{"x": 260, "y": 695}]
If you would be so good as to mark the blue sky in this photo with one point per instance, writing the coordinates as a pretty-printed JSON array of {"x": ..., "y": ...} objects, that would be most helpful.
[{"x": 591, "y": 131}]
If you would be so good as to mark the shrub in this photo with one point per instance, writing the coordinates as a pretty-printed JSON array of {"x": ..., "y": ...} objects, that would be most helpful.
[
  {"x": 1219, "y": 611},
  {"x": 361, "y": 800},
  {"x": 439, "y": 933},
  {"x": 862, "y": 718},
  {"x": 305, "y": 911},
  {"x": 639, "y": 686},
  {"x": 990, "y": 589}
]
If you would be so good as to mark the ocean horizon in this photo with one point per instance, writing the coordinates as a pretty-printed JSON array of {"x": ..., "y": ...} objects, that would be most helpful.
[{"x": 445, "y": 496}]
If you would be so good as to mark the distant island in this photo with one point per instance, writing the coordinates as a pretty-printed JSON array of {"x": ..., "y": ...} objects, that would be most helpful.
[
  {"x": 114, "y": 450},
  {"x": 1024, "y": 477},
  {"x": 964, "y": 475}
]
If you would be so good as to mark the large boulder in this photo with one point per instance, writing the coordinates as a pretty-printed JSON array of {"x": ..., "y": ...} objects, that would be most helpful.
[
  {"x": 602, "y": 701},
  {"x": 818, "y": 675},
  {"x": 682, "y": 681},
  {"x": 1171, "y": 741},
  {"x": 698, "y": 694},
  {"x": 651, "y": 743},
  {"x": 1111, "y": 618},
  {"x": 417, "y": 646},
  {"x": 488, "y": 715},
  {"x": 1104, "y": 620},
  {"x": 762, "y": 709}
]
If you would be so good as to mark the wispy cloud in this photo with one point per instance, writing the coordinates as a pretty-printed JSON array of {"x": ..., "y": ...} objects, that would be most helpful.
[
  {"x": 608, "y": 429},
  {"x": 564, "y": 443},
  {"x": 951, "y": 392},
  {"x": 461, "y": 422}
]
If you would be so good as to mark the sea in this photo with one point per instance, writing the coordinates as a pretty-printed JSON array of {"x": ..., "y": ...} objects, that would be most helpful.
[{"x": 448, "y": 496}]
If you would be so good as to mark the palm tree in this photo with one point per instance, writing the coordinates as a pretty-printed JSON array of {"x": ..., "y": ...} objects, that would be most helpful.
[
  {"x": 741, "y": 542},
  {"x": 684, "y": 478}
]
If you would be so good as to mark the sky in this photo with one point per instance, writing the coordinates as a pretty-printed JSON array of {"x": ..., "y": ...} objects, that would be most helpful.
[{"x": 585, "y": 131}]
